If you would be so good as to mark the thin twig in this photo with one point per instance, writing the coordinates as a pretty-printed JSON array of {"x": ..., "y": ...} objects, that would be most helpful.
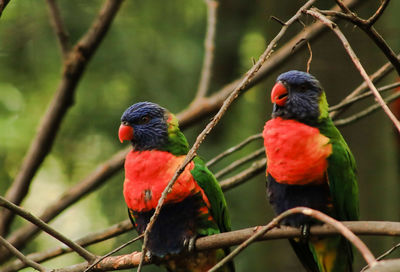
[
  {"x": 356, "y": 62},
  {"x": 310, "y": 58},
  {"x": 379, "y": 74},
  {"x": 87, "y": 240},
  {"x": 61, "y": 102},
  {"x": 372, "y": 20},
  {"x": 367, "y": 27},
  {"x": 209, "y": 47},
  {"x": 367, "y": 111},
  {"x": 384, "y": 255},
  {"x": 234, "y": 149},
  {"x": 21, "y": 256},
  {"x": 255, "y": 169},
  {"x": 200, "y": 138},
  {"x": 59, "y": 28},
  {"x": 59, "y": 236},
  {"x": 346, "y": 103},
  {"x": 113, "y": 251},
  {"x": 234, "y": 165},
  {"x": 340, "y": 227}
]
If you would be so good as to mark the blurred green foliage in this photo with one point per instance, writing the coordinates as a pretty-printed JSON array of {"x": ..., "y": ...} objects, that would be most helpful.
[{"x": 154, "y": 52}]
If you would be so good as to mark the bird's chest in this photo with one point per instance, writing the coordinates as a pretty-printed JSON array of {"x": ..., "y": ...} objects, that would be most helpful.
[
  {"x": 297, "y": 153},
  {"x": 147, "y": 173}
]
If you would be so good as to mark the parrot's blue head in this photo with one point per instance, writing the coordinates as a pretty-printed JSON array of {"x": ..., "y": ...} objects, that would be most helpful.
[
  {"x": 299, "y": 95},
  {"x": 145, "y": 125}
]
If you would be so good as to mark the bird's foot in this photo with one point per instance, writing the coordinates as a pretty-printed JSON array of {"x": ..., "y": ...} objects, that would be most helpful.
[
  {"x": 149, "y": 256},
  {"x": 305, "y": 233},
  {"x": 189, "y": 243}
]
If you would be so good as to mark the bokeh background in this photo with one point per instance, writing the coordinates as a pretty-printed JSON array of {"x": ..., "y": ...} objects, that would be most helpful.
[{"x": 154, "y": 52}]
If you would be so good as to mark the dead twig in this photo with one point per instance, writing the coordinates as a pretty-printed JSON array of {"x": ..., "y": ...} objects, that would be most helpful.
[
  {"x": 234, "y": 165},
  {"x": 234, "y": 149},
  {"x": 87, "y": 240},
  {"x": 113, "y": 251},
  {"x": 367, "y": 111},
  {"x": 59, "y": 28},
  {"x": 209, "y": 46},
  {"x": 346, "y": 103},
  {"x": 21, "y": 256}
]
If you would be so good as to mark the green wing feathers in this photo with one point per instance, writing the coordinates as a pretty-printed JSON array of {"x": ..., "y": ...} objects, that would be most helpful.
[
  {"x": 341, "y": 175},
  {"x": 212, "y": 189}
]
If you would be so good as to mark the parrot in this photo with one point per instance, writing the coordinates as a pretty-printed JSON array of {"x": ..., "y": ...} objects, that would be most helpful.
[
  {"x": 309, "y": 164},
  {"x": 194, "y": 207}
]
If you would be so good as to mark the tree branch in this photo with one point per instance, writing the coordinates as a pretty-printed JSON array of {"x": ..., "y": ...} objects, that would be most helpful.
[
  {"x": 234, "y": 149},
  {"x": 33, "y": 219},
  {"x": 234, "y": 165},
  {"x": 356, "y": 62},
  {"x": 209, "y": 46},
  {"x": 367, "y": 27},
  {"x": 228, "y": 239},
  {"x": 62, "y": 101},
  {"x": 345, "y": 103},
  {"x": 21, "y": 256},
  {"x": 59, "y": 28},
  {"x": 367, "y": 111},
  {"x": 87, "y": 240}
]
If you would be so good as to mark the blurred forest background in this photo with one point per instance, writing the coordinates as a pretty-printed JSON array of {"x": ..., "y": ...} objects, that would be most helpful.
[{"x": 154, "y": 52}]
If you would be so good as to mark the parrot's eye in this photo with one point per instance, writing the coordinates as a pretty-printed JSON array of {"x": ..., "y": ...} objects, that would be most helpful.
[
  {"x": 303, "y": 87},
  {"x": 125, "y": 123},
  {"x": 144, "y": 120}
]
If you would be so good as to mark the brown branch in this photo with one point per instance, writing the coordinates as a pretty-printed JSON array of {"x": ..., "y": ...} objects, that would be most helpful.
[
  {"x": 356, "y": 62},
  {"x": 234, "y": 149},
  {"x": 228, "y": 239},
  {"x": 62, "y": 101},
  {"x": 52, "y": 232},
  {"x": 3, "y": 4},
  {"x": 384, "y": 255},
  {"x": 255, "y": 169},
  {"x": 87, "y": 240},
  {"x": 103, "y": 172},
  {"x": 340, "y": 227},
  {"x": 375, "y": 77},
  {"x": 234, "y": 165},
  {"x": 209, "y": 46},
  {"x": 113, "y": 251},
  {"x": 21, "y": 256},
  {"x": 367, "y": 27},
  {"x": 346, "y": 103},
  {"x": 59, "y": 28},
  {"x": 200, "y": 138},
  {"x": 367, "y": 111}
]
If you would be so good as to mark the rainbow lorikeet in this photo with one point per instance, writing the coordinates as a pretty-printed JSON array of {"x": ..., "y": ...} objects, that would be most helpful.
[
  {"x": 310, "y": 164},
  {"x": 196, "y": 205}
]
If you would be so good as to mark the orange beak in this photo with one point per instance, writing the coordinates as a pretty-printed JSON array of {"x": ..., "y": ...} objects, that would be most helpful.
[
  {"x": 279, "y": 94},
  {"x": 125, "y": 133}
]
